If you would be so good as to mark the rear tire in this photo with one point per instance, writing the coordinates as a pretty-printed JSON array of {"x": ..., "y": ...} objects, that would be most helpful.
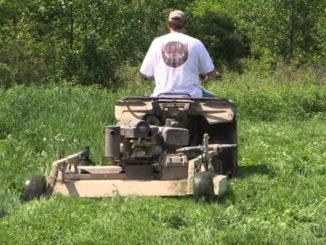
[
  {"x": 223, "y": 133},
  {"x": 229, "y": 161},
  {"x": 217, "y": 165},
  {"x": 229, "y": 156}
]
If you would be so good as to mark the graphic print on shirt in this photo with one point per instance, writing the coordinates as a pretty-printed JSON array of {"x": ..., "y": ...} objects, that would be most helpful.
[{"x": 175, "y": 53}]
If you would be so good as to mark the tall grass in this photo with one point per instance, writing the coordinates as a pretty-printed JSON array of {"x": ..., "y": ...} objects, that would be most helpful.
[
  {"x": 262, "y": 95},
  {"x": 278, "y": 196}
]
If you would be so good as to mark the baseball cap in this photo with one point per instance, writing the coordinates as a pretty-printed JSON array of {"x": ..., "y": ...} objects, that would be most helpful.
[{"x": 177, "y": 15}]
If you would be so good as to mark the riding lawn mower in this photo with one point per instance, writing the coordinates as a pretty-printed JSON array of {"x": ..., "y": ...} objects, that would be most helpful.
[{"x": 170, "y": 145}]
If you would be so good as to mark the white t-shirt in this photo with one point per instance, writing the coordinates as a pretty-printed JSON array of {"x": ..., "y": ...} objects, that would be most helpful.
[{"x": 176, "y": 60}]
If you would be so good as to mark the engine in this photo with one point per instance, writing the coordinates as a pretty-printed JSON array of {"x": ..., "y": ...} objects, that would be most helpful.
[{"x": 139, "y": 142}]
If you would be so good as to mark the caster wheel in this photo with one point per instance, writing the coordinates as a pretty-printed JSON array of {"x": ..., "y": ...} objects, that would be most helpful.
[
  {"x": 34, "y": 188},
  {"x": 204, "y": 187}
]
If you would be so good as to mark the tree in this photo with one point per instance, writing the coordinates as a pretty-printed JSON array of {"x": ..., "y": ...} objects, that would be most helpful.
[
  {"x": 288, "y": 28},
  {"x": 218, "y": 32}
]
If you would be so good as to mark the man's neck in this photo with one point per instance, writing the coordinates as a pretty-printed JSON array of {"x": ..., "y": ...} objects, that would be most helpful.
[{"x": 183, "y": 30}]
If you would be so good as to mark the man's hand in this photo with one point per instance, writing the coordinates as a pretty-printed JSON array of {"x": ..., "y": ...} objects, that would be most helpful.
[
  {"x": 218, "y": 76},
  {"x": 212, "y": 75}
]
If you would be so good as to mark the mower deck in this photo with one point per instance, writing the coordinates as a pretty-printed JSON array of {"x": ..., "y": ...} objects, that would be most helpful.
[{"x": 102, "y": 181}]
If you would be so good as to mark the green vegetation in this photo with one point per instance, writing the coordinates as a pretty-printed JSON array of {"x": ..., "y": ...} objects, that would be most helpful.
[
  {"x": 90, "y": 42},
  {"x": 272, "y": 55},
  {"x": 277, "y": 197}
]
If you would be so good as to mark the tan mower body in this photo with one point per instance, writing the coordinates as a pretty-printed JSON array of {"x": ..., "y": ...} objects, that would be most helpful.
[{"x": 161, "y": 146}]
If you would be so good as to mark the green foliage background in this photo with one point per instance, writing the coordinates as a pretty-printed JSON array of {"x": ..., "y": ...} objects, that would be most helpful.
[{"x": 92, "y": 42}]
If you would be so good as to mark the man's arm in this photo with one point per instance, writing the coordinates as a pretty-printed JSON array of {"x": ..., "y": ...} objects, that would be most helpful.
[
  {"x": 147, "y": 67},
  {"x": 146, "y": 77},
  {"x": 211, "y": 75}
]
